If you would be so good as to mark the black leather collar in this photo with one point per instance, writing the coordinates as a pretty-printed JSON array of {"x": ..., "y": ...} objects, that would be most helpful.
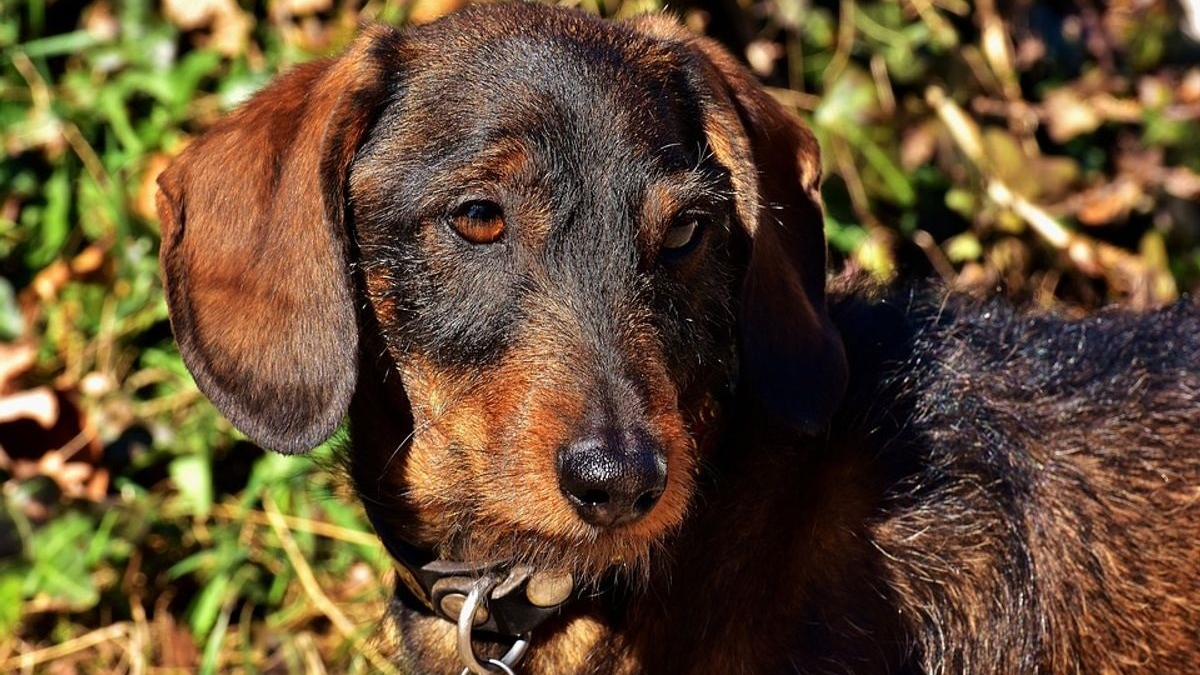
[{"x": 519, "y": 602}]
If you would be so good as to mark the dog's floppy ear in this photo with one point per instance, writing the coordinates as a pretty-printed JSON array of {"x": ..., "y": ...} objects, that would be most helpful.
[
  {"x": 254, "y": 249},
  {"x": 791, "y": 354}
]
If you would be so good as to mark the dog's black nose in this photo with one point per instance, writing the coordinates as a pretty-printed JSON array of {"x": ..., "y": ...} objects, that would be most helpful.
[{"x": 612, "y": 479}]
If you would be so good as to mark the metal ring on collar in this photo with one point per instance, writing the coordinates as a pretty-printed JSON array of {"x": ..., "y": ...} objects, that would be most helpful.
[
  {"x": 494, "y": 666},
  {"x": 466, "y": 652}
]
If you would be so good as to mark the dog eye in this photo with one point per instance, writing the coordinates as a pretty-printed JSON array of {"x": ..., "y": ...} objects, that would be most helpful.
[
  {"x": 479, "y": 222},
  {"x": 683, "y": 236}
]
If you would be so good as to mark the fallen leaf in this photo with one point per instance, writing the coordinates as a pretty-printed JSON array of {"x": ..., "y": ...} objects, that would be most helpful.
[
  {"x": 175, "y": 643},
  {"x": 44, "y": 432},
  {"x": 231, "y": 33},
  {"x": 1182, "y": 182},
  {"x": 230, "y": 25},
  {"x": 89, "y": 260},
  {"x": 1154, "y": 92},
  {"x": 15, "y": 360},
  {"x": 39, "y": 405},
  {"x": 424, "y": 11},
  {"x": 1191, "y": 18},
  {"x": 1030, "y": 50},
  {"x": 194, "y": 14},
  {"x": 1066, "y": 115},
  {"x": 301, "y": 7},
  {"x": 77, "y": 480},
  {"x": 144, "y": 202},
  {"x": 762, "y": 56},
  {"x": 1111, "y": 203},
  {"x": 1189, "y": 87},
  {"x": 918, "y": 145},
  {"x": 51, "y": 280},
  {"x": 100, "y": 23}
]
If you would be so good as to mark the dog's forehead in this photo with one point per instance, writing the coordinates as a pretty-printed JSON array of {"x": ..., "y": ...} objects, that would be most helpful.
[
  {"x": 607, "y": 88},
  {"x": 531, "y": 37}
]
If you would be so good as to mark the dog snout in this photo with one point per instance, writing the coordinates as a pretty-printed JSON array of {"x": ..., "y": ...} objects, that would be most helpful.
[{"x": 612, "y": 478}]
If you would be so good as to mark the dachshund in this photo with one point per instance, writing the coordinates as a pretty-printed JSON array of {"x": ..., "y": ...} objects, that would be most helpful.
[{"x": 565, "y": 281}]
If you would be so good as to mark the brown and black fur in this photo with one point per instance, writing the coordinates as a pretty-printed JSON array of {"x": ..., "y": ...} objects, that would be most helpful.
[{"x": 858, "y": 483}]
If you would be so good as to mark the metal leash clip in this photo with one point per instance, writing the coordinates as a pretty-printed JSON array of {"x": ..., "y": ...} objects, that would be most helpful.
[{"x": 475, "y": 601}]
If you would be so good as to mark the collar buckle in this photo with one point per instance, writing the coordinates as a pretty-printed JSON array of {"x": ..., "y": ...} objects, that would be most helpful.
[
  {"x": 469, "y": 615},
  {"x": 516, "y": 601}
]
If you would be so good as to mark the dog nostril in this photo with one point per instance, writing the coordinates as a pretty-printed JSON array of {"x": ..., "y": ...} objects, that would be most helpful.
[
  {"x": 593, "y": 498},
  {"x": 644, "y": 503},
  {"x": 612, "y": 481}
]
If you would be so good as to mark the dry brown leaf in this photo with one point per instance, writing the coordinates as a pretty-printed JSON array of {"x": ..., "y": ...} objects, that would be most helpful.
[
  {"x": 360, "y": 579},
  {"x": 976, "y": 279},
  {"x": 424, "y": 11},
  {"x": 90, "y": 260},
  {"x": 762, "y": 56},
  {"x": 39, "y": 404},
  {"x": 143, "y": 203},
  {"x": 229, "y": 24},
  {"x": 63, "y": 472},
  {"x": 194, "y": 14},
  {"x": 15, "y": 360},
  {"x": 62, "y": 667},
  {"x": 918, "y": 145},
  {"x": 1182, "y": 182},
  {"x": 50, "y": 280},
  {"x": 76, "y": 479},
  {"x": 1030, "y": 50},
  {"x": 100, "y": 23},
  {"x": 1111, "y": 203},
  {"x": 231, "y": 33},
  {"x": 1154, "y": 92},
  {"x": 43, "y": 433},
  {"x": 44, "y": 419},
  {"x": 1189, "y": 87},
  {"x": 175, "y": 643},
  {"x": 1066, "y": 115},
  {"x": 301, "y": 7},
  {"x": 1146, "y": 165}
]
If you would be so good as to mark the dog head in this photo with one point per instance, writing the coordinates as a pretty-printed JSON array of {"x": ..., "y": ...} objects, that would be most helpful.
[{"x": 556, "y": 237}]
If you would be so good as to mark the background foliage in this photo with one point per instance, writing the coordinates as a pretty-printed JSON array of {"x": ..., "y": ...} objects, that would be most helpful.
[{"x": 1049, "y": 150}]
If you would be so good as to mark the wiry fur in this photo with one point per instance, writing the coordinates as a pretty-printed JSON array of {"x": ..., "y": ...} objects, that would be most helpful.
[
  {"x": 1003, "y": 492},
  {"x": 1051, "y": 507}
]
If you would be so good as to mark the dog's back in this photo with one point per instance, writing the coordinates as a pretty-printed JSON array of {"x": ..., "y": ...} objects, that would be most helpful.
[{"x": 1044, "y": 499}]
